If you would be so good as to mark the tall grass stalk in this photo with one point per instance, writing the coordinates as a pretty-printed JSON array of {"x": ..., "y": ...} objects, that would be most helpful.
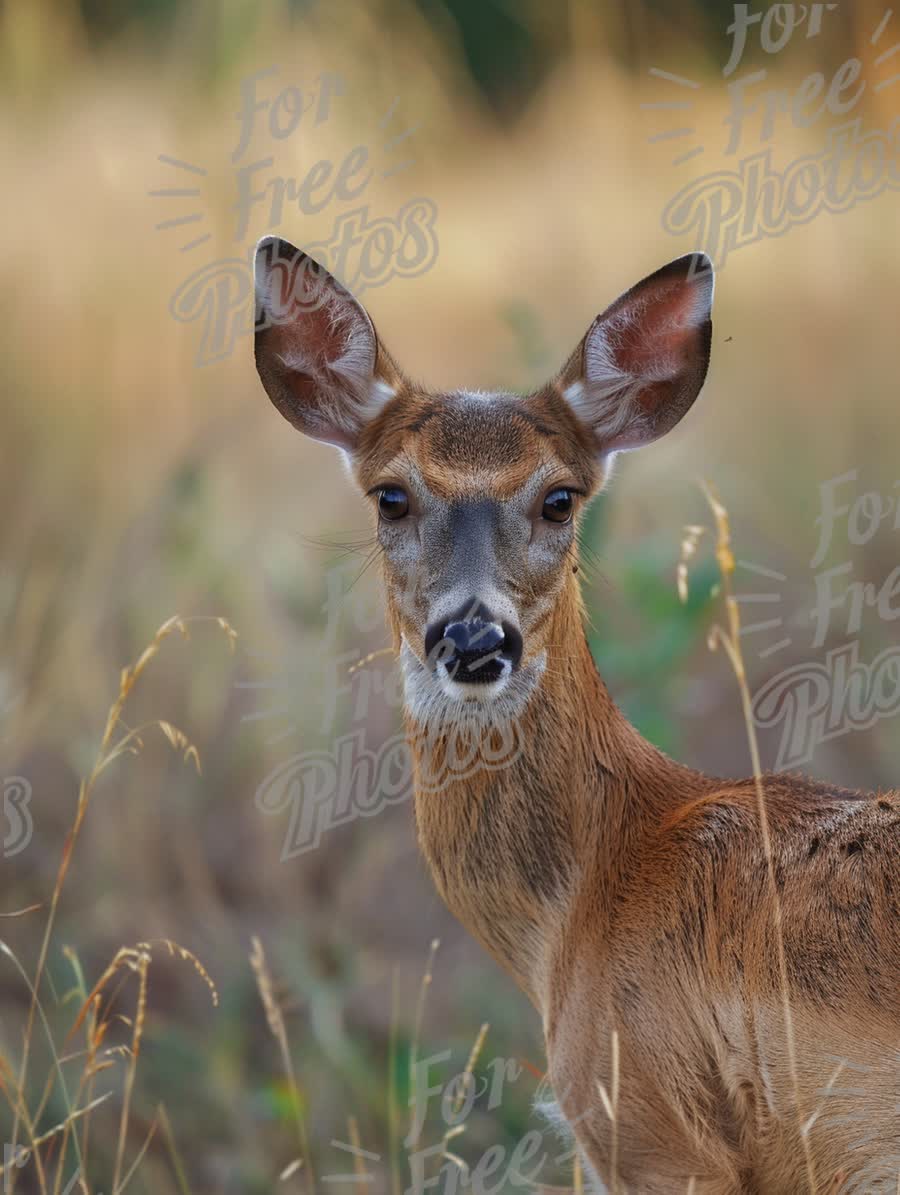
[
  {"x": 424, "y": 988},
  {"x": 729, "y": 638},
  {"x": 275, "y": 1019}
]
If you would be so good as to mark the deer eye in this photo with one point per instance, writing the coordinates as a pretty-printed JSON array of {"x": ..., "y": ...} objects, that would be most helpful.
[
  {"x": 393, "y": 503},
  {"x": 558, "y": 506}
]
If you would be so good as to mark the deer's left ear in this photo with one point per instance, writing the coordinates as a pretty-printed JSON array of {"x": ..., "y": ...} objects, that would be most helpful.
[
  {"x": 644, "y": 360},
  {"x": 316, "y": 349}
]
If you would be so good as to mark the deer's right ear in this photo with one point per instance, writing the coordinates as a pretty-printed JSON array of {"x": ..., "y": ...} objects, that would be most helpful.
[{"x": 316, "y": 349}]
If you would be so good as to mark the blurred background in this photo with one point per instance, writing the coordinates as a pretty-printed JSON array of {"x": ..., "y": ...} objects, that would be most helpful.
[{"x": 145, "y": 475}]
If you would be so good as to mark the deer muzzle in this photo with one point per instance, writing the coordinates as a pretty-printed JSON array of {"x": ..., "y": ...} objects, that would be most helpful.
[{"x": 473, "y": 647}]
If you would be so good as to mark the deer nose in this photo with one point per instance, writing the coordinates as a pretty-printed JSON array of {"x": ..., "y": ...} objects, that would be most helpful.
[{"x": 473, "y": 646}]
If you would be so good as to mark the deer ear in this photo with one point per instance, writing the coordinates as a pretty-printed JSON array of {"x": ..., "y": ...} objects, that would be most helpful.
[
  {"x": 644, "y": 360},
  {"x": 316, "y": 350}
]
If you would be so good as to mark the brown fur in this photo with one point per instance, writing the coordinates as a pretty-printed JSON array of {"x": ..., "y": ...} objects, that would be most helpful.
[
  {"x": 626, "y": 892},
  {"x": 628, "y": 895}
]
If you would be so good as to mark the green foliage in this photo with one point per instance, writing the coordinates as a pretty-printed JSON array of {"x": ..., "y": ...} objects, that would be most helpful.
[{"x": 641, "y": 660}]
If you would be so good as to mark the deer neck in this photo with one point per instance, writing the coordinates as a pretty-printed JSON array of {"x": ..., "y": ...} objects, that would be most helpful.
[{"x": 562, "y": 804}]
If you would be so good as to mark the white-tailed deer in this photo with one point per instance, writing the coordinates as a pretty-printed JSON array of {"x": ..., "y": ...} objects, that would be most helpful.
[{"x": 628, "y": 895}]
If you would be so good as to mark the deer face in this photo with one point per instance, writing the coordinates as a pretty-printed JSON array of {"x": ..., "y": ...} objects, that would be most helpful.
[{"x": 476, "y": 497}]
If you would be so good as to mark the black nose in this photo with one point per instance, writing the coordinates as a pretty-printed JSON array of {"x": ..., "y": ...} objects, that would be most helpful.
[{"x": 473, "y": 646}]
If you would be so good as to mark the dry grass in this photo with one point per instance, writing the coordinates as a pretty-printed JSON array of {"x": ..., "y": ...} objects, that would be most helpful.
[
  {"x": 466, "y": 1084},
  {"x": 47, "y": 1153},
  {"x": 275, "y": 1021},
  {"x": 116, "y": 742},
  {"x": 134, "y": 483},
  {"x": 729, "y": 638}
]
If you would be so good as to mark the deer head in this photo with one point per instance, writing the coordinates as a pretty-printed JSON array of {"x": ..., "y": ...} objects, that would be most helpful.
[{"x": 477, "y": 497}]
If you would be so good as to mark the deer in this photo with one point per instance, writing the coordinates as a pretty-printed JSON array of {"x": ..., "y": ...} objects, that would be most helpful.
[{"x": 625, "y": 893}]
